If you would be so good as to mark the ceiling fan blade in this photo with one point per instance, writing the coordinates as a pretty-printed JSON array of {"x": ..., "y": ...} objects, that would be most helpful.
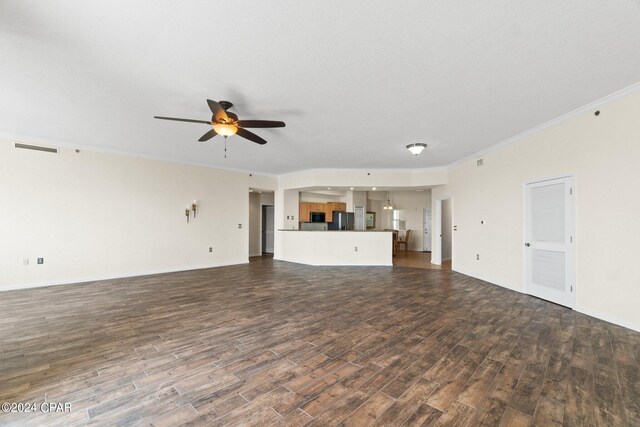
[
  {"x": 183, "y": 120},
  {"x": 217, "y": 110},
  {"x": 207, "y": 136},
  {"x": 260, "y": 124},
  {"x": 250, "y": 136}
]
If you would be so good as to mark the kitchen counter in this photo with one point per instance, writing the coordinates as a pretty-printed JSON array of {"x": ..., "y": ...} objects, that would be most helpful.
[{"x": 335, "y": 247}]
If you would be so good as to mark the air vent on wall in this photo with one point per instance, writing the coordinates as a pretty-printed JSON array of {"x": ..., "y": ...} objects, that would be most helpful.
[{"x": 37, "y": 148}]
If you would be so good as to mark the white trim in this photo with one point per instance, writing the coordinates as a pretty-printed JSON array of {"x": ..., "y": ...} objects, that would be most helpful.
[
  {"x": 258, "y": 254},
  {"x": 585, "y": 108},
  {"x": 578, "y": 308},
  {"x": 580, "y": 110},
  {"x": 445, "y": 259},
  {"x": 101, "y": 278},
  {"x": 24, "y": 139},
  {"x": 608, "y": 318},
  {"x": 349, "y": 170},
  {"x": 490, "y": 281}
]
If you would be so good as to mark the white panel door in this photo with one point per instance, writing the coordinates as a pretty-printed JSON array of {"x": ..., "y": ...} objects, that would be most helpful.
[
  {"x": 549, "y": 256},
  {"x": 427, "y": 230}
]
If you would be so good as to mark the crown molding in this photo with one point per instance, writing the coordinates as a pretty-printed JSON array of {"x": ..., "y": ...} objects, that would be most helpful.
[
  {"x": 15, "y": 138},
  {"x": 585, "y": 108},
  {"x": 361, "y": 170}
]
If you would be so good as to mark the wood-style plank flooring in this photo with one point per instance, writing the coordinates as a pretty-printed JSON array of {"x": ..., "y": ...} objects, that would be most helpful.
[
  {"x": 274, "y": 343},
  {"x": 416, "y": 259}
]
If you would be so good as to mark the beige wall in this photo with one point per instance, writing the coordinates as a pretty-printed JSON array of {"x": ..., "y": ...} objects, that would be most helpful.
[
  {"x": 363, "y": 178},
  {"x": 414, "y": 203},
  {"x": 321, "y": 198},
  {"x": 375, "y": 206},
  {"x": 93, "y": 216},
  {"x": 603, "y": 153}
]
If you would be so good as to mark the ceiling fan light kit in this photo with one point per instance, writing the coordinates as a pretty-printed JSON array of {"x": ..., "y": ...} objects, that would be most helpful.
[
  {"x": 226, "y": 123},
  {"x": 225, "y": 129},
  {"x": 416, "y": 148}
]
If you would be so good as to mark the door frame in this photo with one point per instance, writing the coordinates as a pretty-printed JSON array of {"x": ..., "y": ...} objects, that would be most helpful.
[
  {"x": 436, "y": 226},
  {"x": 571, "y": 212}
]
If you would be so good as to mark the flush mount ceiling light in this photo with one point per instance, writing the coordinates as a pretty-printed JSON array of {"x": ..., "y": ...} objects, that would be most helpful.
[{"x": 416, "y": 148}]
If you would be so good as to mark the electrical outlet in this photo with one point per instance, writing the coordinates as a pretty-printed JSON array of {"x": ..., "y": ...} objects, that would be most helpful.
[
  {"x": 355, "y": 249},
  {"x": 40, "y": 260},
  {"x": 25, "y": 261},
  {"x": 239, "y": 225},
  {"x": 210, "y": 249},
  {"x": 478, "y": 257}
]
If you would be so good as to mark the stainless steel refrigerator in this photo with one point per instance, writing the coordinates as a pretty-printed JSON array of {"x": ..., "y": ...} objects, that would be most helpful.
[{"x": 341, "y": 221}]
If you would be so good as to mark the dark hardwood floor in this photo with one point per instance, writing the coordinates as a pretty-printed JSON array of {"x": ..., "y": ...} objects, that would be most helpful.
[{"x": 274, "y": 343}]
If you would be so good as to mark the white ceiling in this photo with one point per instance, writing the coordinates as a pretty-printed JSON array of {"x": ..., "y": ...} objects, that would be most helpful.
[{"x": 355, "y": 81}]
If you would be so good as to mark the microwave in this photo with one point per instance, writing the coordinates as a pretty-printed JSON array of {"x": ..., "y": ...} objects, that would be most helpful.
[{"x": 317, "y": 217}]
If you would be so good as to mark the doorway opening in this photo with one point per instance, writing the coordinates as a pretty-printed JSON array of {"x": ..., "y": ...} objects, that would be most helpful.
[
  {"x": 442, "y": 235},
  {"x": 261, "y": 222},
  {"x": 267, "y": 231},
  {"x": 426, "y": 230},
  {"x": 446, "y": 234}
]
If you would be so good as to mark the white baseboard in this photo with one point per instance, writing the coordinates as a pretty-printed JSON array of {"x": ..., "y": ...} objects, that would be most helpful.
[
  {"x": 608, "y": 318},
  {"x": 589, "y": 312},
  {"x": 258, "y": 254},
  {"x": 110, "y": 277}
]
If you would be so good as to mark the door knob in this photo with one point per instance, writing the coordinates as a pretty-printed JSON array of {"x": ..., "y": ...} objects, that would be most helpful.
[{"x": 527, "y": 244}]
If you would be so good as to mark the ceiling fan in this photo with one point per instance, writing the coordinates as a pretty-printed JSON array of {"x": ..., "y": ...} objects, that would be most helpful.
[{"x": 226, "y": 123}]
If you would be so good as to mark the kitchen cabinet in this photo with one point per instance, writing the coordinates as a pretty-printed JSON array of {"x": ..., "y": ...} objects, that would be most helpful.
[
  {"x": 305, "y": 212},
  {"x": 307, "y": 207},
  {"x": 317, "y": 207},
  {"x": 337, "y": 206},
  {"x": 327, "y": 212}
]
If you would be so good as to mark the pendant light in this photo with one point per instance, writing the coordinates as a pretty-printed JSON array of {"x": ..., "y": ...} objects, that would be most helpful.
[{"x": 388, "y": 206}]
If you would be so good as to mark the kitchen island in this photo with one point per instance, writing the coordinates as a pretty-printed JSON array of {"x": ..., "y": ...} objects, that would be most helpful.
[{"x": 334, "y": 247}]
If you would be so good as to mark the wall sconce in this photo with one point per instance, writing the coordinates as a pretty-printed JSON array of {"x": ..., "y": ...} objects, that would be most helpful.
[
  {"x": 194, "y": 207},
  {"x": 186, "y": 213}
]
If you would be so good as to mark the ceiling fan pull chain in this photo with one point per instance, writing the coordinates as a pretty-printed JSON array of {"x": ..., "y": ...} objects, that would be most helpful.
[{"x": 225, "y": 147}]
